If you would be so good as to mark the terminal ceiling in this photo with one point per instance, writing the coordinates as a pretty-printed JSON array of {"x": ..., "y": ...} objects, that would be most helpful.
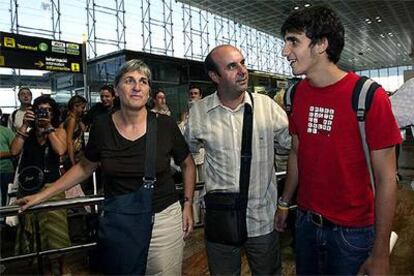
[{"x": 378, "y": 34}]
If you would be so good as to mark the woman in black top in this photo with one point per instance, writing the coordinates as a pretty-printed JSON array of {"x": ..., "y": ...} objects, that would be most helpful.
[
  {"x": 118, "y": 142},
  {"x": 41, "y": 147}
]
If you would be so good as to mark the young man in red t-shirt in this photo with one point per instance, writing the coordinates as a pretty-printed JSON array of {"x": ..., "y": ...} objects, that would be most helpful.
[{"x": 340, "y": 228}]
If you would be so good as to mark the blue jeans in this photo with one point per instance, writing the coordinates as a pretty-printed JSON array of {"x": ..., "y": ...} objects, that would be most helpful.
[{"x": 330, "y": 249}]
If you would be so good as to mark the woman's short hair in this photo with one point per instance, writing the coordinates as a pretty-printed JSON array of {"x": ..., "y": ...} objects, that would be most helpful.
[
  {"x": 130, "y": 66},
  {"x": 46, "y": 99},
  {"x": 77, "y": 99}
]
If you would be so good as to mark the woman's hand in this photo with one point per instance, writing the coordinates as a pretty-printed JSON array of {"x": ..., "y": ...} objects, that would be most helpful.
[
  {"x": 28, "y": 118},
  {"x": 44, "y": 123},
  {"x": 188, "y": 222},
  {"x": 28, "y": 201}
]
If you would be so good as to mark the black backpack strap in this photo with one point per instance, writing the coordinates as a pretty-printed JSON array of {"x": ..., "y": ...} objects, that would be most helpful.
[
  {"x": 361, "y": 101},
  {"x": 362, "y": 96},
  {"x": 13, "y": 119},
  {"x": 151, "y": 151},
  {"x": 288, "y": 98}
]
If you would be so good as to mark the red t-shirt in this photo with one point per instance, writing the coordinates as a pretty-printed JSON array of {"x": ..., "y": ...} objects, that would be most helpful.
[{"x": 333, "y": 176}]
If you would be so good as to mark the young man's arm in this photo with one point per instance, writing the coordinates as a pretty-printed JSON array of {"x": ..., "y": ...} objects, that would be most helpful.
[
  {"x": 290, "y": 185},
  {"x": 383, "y": 163}
]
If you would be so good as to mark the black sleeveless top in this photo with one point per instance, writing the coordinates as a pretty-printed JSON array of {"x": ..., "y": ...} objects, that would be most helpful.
[{"x": 40, "y": 156}]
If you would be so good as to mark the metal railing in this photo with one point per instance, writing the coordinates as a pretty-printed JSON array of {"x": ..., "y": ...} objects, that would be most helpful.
[{"x": 14, "y": 210}]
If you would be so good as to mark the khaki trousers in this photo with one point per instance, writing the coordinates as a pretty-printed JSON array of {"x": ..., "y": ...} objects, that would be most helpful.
[{"x": 165, "y": 253}]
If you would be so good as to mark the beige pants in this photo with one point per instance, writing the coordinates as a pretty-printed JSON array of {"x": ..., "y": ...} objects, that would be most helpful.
[{"x": 165, "y": 254}]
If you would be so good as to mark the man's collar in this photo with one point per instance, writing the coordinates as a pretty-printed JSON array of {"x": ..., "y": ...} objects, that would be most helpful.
[{"x": 216, "y": 102}]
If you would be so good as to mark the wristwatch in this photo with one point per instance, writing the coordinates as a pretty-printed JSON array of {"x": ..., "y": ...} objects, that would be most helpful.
[
  {"x": 282, "y": 203},
  {"x": 187, "y": 199}
]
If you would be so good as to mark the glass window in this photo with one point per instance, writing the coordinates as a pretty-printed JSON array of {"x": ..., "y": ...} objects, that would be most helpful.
[{"x": 393, "y": 71}]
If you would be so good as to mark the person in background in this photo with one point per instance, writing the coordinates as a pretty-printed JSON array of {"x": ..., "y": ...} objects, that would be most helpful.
[
  {"x": 118, "y": 141},
  {"x": 194, "y": 94},
  {"x": 16, "y": 118},
  {"x": 6, "y": 164},
  {"x": 340, "y": 227},
  {"x": 215, "y": 122},
  {"x": 107, "y": 105},
  {"x": 74, "y": 129},
  {"x": 160, "y": 103},
  {"x": 41, "y": 148}
]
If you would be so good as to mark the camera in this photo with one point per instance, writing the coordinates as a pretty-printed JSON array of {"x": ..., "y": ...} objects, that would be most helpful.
[{"x": 42, "y": 113}]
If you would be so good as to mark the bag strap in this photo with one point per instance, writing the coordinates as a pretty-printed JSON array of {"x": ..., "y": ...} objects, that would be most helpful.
[
  {"x": 151, "y": 150},
  {"x": 246, "y": 149},
  {"x": 361, "y": 101},
  {"x": 288, "y": 98}
]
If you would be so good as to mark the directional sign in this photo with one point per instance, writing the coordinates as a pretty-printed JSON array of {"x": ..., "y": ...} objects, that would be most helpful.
[{"x": 29, "y": 52}]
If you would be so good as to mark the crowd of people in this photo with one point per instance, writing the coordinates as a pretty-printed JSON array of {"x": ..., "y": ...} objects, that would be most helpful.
[{"x": 229, "y": 140}]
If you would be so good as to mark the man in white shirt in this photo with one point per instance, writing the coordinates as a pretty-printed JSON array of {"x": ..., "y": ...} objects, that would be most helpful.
[
  {"x": 215, "y": 123},
  {"x": 194, "y": 94},
  {"x": 16, "y": 118}
]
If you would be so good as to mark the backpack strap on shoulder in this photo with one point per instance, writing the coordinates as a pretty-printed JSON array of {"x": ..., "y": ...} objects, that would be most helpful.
[
  {"x": 288, "y": 98},
  {"x": 361, "y": 101},
  {"x": 362, "y": 96}
]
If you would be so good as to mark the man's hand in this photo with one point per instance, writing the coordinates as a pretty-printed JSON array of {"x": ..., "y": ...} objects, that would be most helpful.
[
  {"x": 188, "y": 222},
  {"x": 375, "y": 266},
  {"x": 280, "y": 220}
]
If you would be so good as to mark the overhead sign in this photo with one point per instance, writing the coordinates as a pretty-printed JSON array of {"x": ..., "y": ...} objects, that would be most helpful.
[
  {"x": 29, "y": 52},
  {"x": 64, "y": 81}
]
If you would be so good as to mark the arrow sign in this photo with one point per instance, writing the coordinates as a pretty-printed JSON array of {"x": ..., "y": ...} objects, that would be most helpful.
[{"x": 40, "y": 64}]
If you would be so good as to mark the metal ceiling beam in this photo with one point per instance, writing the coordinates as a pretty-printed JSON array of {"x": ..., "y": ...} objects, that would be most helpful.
[{"x": 364, "y": 47}]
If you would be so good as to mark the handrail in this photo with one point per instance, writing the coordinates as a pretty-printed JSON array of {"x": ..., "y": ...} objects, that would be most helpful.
[
  {"x": 48, "y": 252},
  {"x": 13, "y": 210}
]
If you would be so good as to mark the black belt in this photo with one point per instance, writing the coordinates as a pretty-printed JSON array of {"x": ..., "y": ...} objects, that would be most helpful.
[{"x": 320, "y": 221}]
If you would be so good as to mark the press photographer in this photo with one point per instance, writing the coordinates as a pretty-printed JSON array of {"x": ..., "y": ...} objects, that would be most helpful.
[{"x": 41, "y": 142}]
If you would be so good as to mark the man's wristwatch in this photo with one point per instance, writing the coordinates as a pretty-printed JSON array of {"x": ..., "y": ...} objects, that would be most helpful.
[
  {"x": 187, "y": 199},
  {"x": 282, "y": 203}
]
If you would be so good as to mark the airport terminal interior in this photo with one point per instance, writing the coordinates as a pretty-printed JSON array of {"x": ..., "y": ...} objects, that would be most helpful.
[{"x": 63, "y": 49}]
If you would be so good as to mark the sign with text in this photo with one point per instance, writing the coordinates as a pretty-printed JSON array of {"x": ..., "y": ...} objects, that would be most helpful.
[{"x": 29, "y": 52}]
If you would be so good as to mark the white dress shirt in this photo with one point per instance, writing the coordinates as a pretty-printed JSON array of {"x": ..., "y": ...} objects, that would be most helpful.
[{"x": 218, "y": 129}]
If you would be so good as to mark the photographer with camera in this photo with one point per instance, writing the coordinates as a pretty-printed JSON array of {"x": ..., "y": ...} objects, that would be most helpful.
[{"x": 41, "y": 142}]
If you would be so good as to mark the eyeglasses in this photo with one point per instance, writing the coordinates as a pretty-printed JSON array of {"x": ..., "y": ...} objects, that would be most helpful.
[{"x": 130, "y": 81}]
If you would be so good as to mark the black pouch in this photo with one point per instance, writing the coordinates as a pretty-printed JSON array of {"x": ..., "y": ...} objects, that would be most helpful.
[
  {"x": 225, "y": 219},
  {"x": 30, "y": 180}
]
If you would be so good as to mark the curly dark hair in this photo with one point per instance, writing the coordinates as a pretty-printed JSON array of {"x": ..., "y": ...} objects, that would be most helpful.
[
  {"x": 55, "y": 108},
  {"x": 318, "y": 22}
]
